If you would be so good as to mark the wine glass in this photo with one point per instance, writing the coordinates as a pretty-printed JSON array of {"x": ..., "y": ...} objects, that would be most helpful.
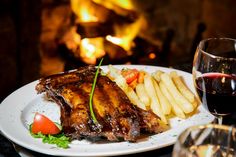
[
  {"x": 214, "y": 75},
  {"x": 211, "y": 140}
]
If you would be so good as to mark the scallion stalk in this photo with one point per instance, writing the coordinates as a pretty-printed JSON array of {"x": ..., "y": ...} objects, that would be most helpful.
[{"x": 92, "y": 93}]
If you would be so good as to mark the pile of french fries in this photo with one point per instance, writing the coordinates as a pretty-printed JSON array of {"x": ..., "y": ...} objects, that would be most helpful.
[{"x": 164, "y": 93}]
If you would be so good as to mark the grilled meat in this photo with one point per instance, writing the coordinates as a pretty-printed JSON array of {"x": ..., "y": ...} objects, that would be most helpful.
[{"x": 118, "y": 118}]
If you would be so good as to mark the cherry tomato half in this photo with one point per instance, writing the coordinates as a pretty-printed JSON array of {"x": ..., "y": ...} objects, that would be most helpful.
[
  {"x": 130, "y": 74},
  {"x": 44, "y": 125}
]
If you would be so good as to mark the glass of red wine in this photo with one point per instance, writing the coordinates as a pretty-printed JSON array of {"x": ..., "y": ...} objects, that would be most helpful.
[{"x": 214, "y": 75}]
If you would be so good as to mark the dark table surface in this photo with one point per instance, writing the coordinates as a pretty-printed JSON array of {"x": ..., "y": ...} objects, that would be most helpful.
[{"x": 7, "y": 149}]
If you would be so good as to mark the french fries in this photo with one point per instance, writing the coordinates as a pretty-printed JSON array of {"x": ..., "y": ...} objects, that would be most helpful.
[
  {"x": 163, "y": 93},
  {"x": 142, "y": 94},
  {"x": 174, "y": 106},
  {"x": 182, "y": 87},
  {"x": 184, "y": 104},
  {"x": 165, "y": 105},
  {"x": 157, "y": 75},
  {"x": 155, "y": 104},
  {"x": 134, "y": 98}
]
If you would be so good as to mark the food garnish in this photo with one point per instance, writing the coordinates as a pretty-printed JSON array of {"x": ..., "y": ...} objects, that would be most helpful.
[
  {"x": 92, "y": 92},
  {"x": 50, "y": 132},
  {"x": 60, "y": 140},
  {"x": 129, "y": 74},
  {"x": 44, "y": 125}
]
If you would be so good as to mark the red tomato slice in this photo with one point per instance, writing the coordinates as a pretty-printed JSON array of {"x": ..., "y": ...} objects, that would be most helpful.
[
  {"x": 44, "y": 125},
  {"x": 130, "y": 74}
]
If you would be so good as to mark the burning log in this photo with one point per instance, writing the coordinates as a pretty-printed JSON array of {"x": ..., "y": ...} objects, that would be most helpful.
[
  {"x": 119, "y": 15},
  {"x": 129, "y": 16},
  {"x": 94, "y": 29},
  {"x": 114, "y": 51},
  {"x": 117, "y": 12},
  {"x": 103, "y": 29},
  {"x": 105, "y": 21}
]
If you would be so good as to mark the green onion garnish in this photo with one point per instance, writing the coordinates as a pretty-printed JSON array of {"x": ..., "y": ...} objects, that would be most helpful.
[
  {"x": 92, "y": 92},
  {"x": 60, "y": 140}
]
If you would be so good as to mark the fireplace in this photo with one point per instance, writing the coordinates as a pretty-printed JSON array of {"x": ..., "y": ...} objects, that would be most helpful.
[
  {"x": 43, "y": 37},
  {"x": 94, "y": 29}
]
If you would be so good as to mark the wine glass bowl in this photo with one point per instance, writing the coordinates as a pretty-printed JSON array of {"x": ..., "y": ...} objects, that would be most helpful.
[
  {"x": 211, "y": 140},
  {"x": 214, "y": 75}
]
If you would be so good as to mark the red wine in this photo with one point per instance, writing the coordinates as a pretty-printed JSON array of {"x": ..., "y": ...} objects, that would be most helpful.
[{"x": 218, "y": 91}]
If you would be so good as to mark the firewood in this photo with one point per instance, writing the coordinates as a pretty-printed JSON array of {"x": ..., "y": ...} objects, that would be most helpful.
[
  {"x": 114, "y": 51},
  {"x": 94, "y": 29}
]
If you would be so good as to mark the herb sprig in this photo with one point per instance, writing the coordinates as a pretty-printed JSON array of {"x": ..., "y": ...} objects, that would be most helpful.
[
  {"x": 92, "y": 93},
  {"x": 60, "y": 140}
]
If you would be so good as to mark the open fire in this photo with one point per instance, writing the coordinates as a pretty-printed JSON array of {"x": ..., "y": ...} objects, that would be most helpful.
[
  {"x": 82, "y": 31},
  {"x": 103, "y": 27}
]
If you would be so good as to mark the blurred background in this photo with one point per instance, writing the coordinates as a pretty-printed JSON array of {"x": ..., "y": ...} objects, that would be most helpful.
[{"x": 44, "y": 37}]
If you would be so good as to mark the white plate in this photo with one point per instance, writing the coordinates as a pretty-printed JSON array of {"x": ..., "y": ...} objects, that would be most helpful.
[{"x": 17, "y": 111}]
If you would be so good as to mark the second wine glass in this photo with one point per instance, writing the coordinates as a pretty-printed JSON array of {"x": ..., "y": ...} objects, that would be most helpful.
[
  {"x": 211, "y": 140},
  {"x": 214, "y": 75}
]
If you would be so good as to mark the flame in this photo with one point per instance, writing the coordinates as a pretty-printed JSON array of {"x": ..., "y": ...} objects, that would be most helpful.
[
  {"x": 122, "y": 42},
  {"x": 85, "y": 15},
  {"x": 114, "y": 40},
  {"x": 111, "y": 4},
  {"x": 84, "y": 10},
  {"x": 90, "y": 49},
  {"x": 71, "y": 39},
  {"x": 125, "y": 35}
]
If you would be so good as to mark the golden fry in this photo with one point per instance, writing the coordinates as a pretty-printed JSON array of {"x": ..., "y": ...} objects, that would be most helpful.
[
  {"x": 195, "y": 103},
  {"x": 185, "y": 105},
  {"x": 155, "y": 105},
  {"x": 134, "y": 98},
  {"x": 165, "y": 105},
  {"x": 157, "y": 75},
  {"x": 182, "y": 87},
  {"x": 142, "y": 94},
  {"x": 174, "y": 106}
]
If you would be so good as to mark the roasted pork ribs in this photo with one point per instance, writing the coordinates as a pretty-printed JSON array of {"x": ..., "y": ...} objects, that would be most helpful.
[{"x": 118, "y": 119}]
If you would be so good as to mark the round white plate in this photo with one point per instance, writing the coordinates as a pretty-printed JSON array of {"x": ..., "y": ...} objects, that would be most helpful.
[{"x": 17, "y": 112}]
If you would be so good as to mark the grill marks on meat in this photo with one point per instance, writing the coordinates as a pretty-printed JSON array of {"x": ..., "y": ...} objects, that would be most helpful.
[{"x": 118, "y": 118}]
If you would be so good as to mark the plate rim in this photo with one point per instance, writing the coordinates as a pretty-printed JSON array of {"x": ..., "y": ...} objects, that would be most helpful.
[{"x": 114, "y": 153}]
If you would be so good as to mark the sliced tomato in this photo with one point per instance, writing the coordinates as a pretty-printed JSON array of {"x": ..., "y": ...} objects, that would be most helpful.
[
  {"x": 130, "y": 75},
  {"x": 44, "y": 125}
]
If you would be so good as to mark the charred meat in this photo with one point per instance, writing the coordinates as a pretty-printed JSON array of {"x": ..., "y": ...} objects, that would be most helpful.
[{"x": 118, "y": 118}]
